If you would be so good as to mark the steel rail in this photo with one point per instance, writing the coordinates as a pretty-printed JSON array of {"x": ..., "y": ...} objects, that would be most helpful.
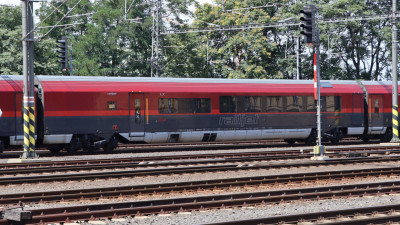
[
  {"x": 167, "y": 147},
  {"x": 160, "y": 159},
  {"x": 190, "y": 170},
  {"x": 138, "y": 165},
  {"x": 386, "y": 214},
  {"x": 163, "y": 206},
  {"x": 228, "y": 164},
  {"x": 199, "y": 164},
  {"x": 277, "y": 154},
  {"x": 168, "y": 188}
]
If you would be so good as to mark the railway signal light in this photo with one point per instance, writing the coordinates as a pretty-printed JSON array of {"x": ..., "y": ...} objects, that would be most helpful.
[
  {"x": 64, "y": 52},
  {"x": 309, "y": 23}
]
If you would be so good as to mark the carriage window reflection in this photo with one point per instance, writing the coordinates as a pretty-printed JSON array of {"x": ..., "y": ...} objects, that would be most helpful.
[
  {"x": 252, "y": 104},
  {"x": 227, "y": 104},
  {"x": 184, "y": 105}
]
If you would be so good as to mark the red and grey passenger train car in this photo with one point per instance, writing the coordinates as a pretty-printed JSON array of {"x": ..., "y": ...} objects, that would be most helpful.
[{"x": 98, "y": 112}]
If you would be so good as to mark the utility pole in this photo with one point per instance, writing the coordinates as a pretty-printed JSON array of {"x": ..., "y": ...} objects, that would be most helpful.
[
  {"x": 157, "y": 43},
  {"x": 28, "y": 110},
  {"x": 395, "y": 105}
]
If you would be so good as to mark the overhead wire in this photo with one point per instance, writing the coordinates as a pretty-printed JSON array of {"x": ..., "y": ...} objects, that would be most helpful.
[
  {"x": 60, "y": 20},
  {"x": 36, "y": 26}
]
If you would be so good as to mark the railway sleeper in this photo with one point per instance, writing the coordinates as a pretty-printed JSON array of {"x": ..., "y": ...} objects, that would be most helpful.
[{"x": 16, "y": 214}]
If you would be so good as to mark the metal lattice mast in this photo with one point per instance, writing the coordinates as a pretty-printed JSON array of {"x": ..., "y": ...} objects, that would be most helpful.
[{"x": 157, "y": 45}]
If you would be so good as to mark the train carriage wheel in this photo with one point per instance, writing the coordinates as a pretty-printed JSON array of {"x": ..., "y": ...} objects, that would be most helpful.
[
  {"x": 71, "y": 150},
  {"x": 311, "y": 140},
  {"x": 2, "y": 146},
  {"x": 55, "y": 150},
  {"x": 111, "y": 144},
  {"x": 290, "y": 141},
  {"x": 387, "y": 136},
  {"x": 335, "y": 141}
]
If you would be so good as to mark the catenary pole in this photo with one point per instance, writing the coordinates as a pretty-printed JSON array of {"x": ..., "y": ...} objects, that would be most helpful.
[
  {"x": 395, "y": 105},
  {"x": 28, "y": 110}
]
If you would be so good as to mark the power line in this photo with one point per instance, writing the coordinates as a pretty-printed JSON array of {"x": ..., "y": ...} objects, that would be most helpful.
[
  {"x": 61, "y": 19},
  {"x": 273, "y": 25},
  {"x": 257, "y": 7},
  {"x": 34, "y": 29}
]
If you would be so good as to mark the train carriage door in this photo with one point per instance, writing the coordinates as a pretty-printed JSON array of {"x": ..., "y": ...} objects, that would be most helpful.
[
  {"x": 376, "y": 112},
  {"x": 136, "y": 114},
  {"x": 19, "y": 133}
]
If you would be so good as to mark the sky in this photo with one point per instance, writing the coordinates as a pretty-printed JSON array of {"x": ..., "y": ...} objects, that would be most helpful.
[{"x": 36, "y": 5}]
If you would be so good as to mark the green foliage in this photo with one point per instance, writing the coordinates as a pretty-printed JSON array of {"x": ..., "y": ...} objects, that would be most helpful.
[
  {"x": 243, "y": 53},
  {"x": 11, "y": 45},
  {"x": 106, "y": 44}
]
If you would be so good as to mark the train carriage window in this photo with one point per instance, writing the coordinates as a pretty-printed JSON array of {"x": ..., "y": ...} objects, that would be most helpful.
[
  {"x": 274, "y": 104},
  {"x": 376, "y": 106},
  {"x": 294, "y": 104},
  {"x": 111, "y": 105},
  {"x": 333, "y": 103},
  {"x": 227, "y": 104},
  {"x": 323, "y": 103},
  {"x": 330, "y": 103},
  {"x": 167, "y": 105},
  {"x": 252, "y": 104},
  {"x": 201, "y": 105},
  {"x": 338, "y": 104},
  {"x": 137, "y": 106},
  {"x": 184, "y": 105},
  {"x": 137, "y": 111},
  {"x": 311, "y": 104}
]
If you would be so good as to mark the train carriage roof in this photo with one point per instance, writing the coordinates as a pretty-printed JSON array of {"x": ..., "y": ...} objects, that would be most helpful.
[
  {"x": 205, "y": 85},
  {"x": 378, "y": 87},
  {"x": 11, "y": 83},
  {"x": 186, "y": 85}
]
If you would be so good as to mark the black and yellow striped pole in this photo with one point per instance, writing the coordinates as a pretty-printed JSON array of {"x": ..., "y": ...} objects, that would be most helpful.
[
  {"x": 395, "y": 104},
  {"x": 25, "y": 116},
  {"x": 395, "y": 121},
  {"x": 32, "y": 132},
  {"x": 28, "y": 111}
]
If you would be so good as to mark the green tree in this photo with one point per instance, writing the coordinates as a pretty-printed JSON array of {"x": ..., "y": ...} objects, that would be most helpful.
[
  {"x": 239, "y": 53},
  {"x": 11, "y": 46},
  {"x": 352, "y": 49},
  {"x": 359, "y": 47},
  {"x": 104, "y": 43}
]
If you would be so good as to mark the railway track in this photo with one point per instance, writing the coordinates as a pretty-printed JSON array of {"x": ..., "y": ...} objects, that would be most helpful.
[
  {"x": 386, "y": 214},
  {"x": 162, "y": 147},
  {"x": 166, "y": 206},
  {"x": 168, "y": 147},
  {"x": 211, "y": 185},
  {"x": 227, "y": 157},
  {"x": 177, "y": 167},
  {"x": 179, "y": 170}
]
